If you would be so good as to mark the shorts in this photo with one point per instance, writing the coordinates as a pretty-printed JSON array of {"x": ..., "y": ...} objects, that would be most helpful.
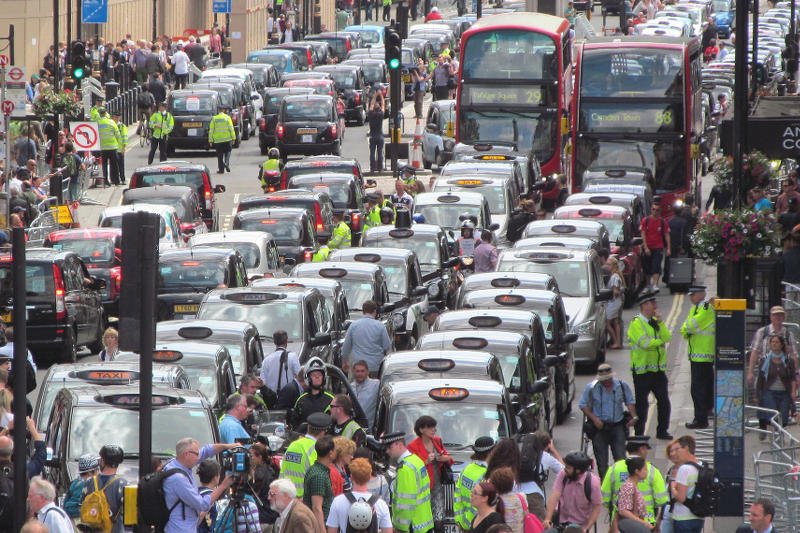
[{"x": 655, "y": 262}]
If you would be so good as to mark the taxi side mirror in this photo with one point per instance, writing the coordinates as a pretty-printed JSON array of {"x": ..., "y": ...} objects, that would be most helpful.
[
  {"x": 219, "y": 188},
  {"x": 604, "y": 295},
  {"x": 569, "y": 338},
  {"x": 321, "y": 339},
  {"x": 540, "y": 386},
  {"x": 552, "y": 360},
  {"x": 419, "y": 291}
]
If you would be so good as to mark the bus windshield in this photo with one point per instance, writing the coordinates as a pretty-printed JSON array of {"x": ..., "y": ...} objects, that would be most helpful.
[
  {"x": 510, "y": 54},
  {"x": 655, "y": 72},
  {"x": 528, "y": 130}
]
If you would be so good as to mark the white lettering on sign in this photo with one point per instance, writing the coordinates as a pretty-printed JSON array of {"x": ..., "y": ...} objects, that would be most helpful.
[{"x": 791, "y": 138}]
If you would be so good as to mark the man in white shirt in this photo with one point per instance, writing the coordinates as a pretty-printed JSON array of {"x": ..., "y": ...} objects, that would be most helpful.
[
  {"x": 682, "y": 487},
  {"x": 365, "y": 389},
  {"x": 41, "y": 498},
  {"x": 357, "y": 504},
  {"x": 280, "y": 366},
  {"x": 180, "y": 67}
]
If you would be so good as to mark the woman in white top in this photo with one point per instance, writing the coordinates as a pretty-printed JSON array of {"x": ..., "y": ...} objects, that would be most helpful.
[{"x": 110, "y": 345}]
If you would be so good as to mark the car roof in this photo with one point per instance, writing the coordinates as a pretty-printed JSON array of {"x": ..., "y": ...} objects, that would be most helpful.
[
  {"x": 39, "y": 254},
  {"x": 94, "y": 395},
  {"x": 322, "y": 284},
  {"x": 400, "y": 233},
  {"x": 285, "y": 294},
  {"x": 320, "y": 160},
  {"x": 232, "y": 235},
  {"x": 547, "y": 254},
  {"x": 411, "y": 359},
  {"x": 577, "y": 223},
  {"x": 201, "y": 254},
  {"x": 497, "y": 279},
  {"x": 389, "y": 254},
  {"x": 270, "y": 51},
  {"x": 470, "y": 179},
  {"x": 193, "y": 92},
  {"x": 216, "y": 326},
  {"x": 278, "y": 91},
  {"x": 444, "y": 339},
  {"x": 159, "y": 209},
  {"x": 86, "y": 233},
  {"x": 115, "y": 372},
  {"x": 169, "y": 166},
  {"x": 308, "y": 98},
  {"x": 414, "y": 391},
  {"x": 615, "y": 210},
  {"x": 556, "y": 241},
  {"x": 337, "y": 67},
  {"x": 353, "y": 268},
  {"x": 191, "y": 349},
  {"x": 462, "y": 197},
  {"x": 464, "y": 316},
  {"x": 273, "y": 212},
  {"x": 226, "y": 71},
  {"x": 322, "y": 177},
  {"x": 537, "y": 295},
  {"x": 158, "y": 191}
]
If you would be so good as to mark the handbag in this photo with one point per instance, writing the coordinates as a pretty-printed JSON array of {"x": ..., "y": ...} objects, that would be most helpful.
[{"x": 445, "y": 469}]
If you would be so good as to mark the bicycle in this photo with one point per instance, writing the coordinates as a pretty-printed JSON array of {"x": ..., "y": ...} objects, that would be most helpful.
[{"x": 145, "y": 133}]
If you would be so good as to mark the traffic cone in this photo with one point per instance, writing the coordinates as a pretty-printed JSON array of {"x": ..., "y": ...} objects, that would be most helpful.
[{"x": 416, "y": 146}]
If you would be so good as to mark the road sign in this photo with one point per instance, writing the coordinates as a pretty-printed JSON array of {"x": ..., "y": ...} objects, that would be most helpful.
[
  {"x": 16, "y": 74},
  {"x": 15, "y": 90},
  {"x": 94, "y": 11},
  {"x": 84, "y": 135},
  {"x": 3, "y": 61},
  {"x": 222, "y": 6},
  {"x": 7, "y": 107}
]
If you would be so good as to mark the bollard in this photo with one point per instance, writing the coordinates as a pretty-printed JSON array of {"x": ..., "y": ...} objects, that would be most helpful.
[{"x": 112, "y": 89}]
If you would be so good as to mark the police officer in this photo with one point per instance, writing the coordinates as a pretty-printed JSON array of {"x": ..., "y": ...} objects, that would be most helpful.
[
  {"x": 341, "y": 233},
  {"x": 409, "y": 178},
  {"x": 463, "y": 511},
  {"x": 94, "y": 112},
  {"x": 161, "y": 124},
  {"x": 699, "y": 330},
  {"x": 652, "y": 487},
  {"x": 109, "y": 144},
  {"x": 344, "y": 425},
  {"x": 123, "y": 144},
  {"x": 316, "y": 399},
  {"x": 324, "y": 250},
  {"x": 221, "y": 135},
  {"x": 411, "y": 493},
  {"x": 300, "y": 454},
  {"x": 373, "y": 210},
  {"x": 648, "y": 336},
  {"x": 272, "y": 164}
]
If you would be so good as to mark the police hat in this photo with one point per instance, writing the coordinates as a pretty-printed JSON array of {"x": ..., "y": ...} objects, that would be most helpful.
[
  {"x": 647, "y": 296},
  {"x": 696, "y": 288},
  {"x": 371, "y": 197},
  {"x": 638, "y": 441},
  {"x": 431, "y": 309},
  {"x": 391, "y": 438},
  {"x": 483, "y": 444},
  {"x": 319, "y": 420}
]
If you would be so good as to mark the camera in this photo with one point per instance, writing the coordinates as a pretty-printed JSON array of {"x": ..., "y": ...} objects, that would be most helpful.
[{"x": 236, "y": 461}]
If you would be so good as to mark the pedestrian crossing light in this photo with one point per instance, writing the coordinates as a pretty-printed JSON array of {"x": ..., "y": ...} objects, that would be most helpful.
[
  {"x": 394, "y": 50},
  {"x": 79, "y": 63}
]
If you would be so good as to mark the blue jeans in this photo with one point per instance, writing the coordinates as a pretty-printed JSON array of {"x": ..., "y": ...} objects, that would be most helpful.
[
  {"x": 694, "y": 525},
  {"x": 778, "y": 400}
]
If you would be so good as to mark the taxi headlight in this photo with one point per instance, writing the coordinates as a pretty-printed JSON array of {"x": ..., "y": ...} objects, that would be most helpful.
[
  {"x": 584, "y": 328},
  {"x": 433, "y": 290},
  {"x": 398, "y": 321}
]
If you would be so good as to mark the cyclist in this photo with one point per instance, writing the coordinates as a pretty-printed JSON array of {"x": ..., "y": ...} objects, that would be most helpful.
[
  {"x": 576, "y": 495},
  {"x": 270, "y": 168},
  {"x": 146, "y": 103}
]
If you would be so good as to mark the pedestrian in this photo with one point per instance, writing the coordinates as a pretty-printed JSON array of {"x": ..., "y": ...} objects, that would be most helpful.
[
  {"x": 110, "y": 142},
  {"x": 616, "y": 284},
  {"x": 181, "y": 489},
  {"x": 537, "y": 446},
  {"x": 651, "y": 485},
  {"x": 288, "y": 395},
  {"x": 520, "y": 217},
  {"x": 441, "y": 78},
  {"x": 430, "y": 449},
  {"x": 608, "y": 405},
  {"x": 419, "y": 79},
  {"x": 514, "y": 504},
  {"x": 343, "y": 451},
  {"x": 656, "y": 243},
  {"x": 295, "y": 516},
  {"x": 161, "y": 125},
  {"x": 431, "y": 315},
  {"x": 301, "y": 454},
  {"x": 401, "y": 197},
  {"x": 570, "y": 497},
  {"x": 123, "y": 144},
  {"x": 411, "y": 505},
  {"x": 366, "y": 340},
  {"x": 317, "y": 489},
  {"x": 775, "y": 383},
  {"x": 666, "y": 514},
  {"x": 464, "y": 510},
  {"x": 699, "y": 330},
  {"x": 789, "y": 192},
  {"x": 221, "y": 135},
  {"x": 196, "y": 52},
  {"x": 631, "y": 510},
  {"x": 387, "y": 7},
  {"x": 251, "y": 385},
  {"x": 316, "y": 399},
  {"x": 648, "y": 337},
  {"x": 215, "y": 42},
  {"x": 180, "y": 66},
  {"x": 280, "y": 366},
  {"x": 485, "y": 256},
  {"x": 365, "y": 389},
  {"x": 351, "y": 503},
  {"x": 41, "y": 502},
  {"x": 237, "y": 408},
  {"x": 683, "y": 520},
  {"x": 759, "y": 346},
  {"x": 88, "y": 465},
  {"x": 343, "y": 423},
  {"x": 259, "y": 476},
  {"x": 377, "y": 110},
  {"x": 208, "y": 473},
  {"x": 112, "y": 486},
  {"x": 761, "y": 515},
  {"x": 157, "y": 88},
  {"x": 488, "y": 507},
  {"x": 290, "y": 34},
  {"x": 139, "y": 61}
]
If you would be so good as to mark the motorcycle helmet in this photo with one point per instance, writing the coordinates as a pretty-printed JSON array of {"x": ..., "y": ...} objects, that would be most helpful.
[
  {"x": 112, "y": 455},
  {"x": 274, "y": 153},
  {"x": 387, "y": 215},
  {"x": 579, "y": 461},
  {"x": 468, "y": 224},
  {"x": 315, "y": 364},
  {"x": 419, "y": 218},
  {"x": 360, "y": 515}
]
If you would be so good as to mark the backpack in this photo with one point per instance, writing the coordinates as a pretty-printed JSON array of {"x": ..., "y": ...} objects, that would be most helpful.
[
  {"x": 153, "y": 510},
  {"x": 530, "y": 465},
  {"x": 531, "y": 522},
  {"x": 6, "y": 497},
  {"x": 707, "y": 490},
  {"x": 373, "y": 526},
  {"x": 70, "y": 166},
  {"x": 95, "y": 511}
]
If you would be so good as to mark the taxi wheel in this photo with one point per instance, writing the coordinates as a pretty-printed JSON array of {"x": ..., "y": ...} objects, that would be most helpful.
[
  {"x": 561, "y": 410},
  {"x": 69, "y": 352},
  {"x": 246, "y": 132}
]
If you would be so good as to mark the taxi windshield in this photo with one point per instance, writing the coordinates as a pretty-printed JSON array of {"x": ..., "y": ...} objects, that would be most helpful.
[
  {"x": 572, "y": 276},
  {"x": 446, "y": 215},
  {"x": 91, "y": 251},
  {"x": 425, "y": 246},
  {"x": 344, "y": 79},
  {"x": 357, "y": 292},
  {"x": 190, "y": 275},
  {"x": 249, "y": 251},
  {"x": 310, "y": 110},
  {"x": 201, "y": 377},
  {"x": 339, "y": 191},
  {"x": 94, "y": 427},
  {"x": 494, "y": 194},
  {"x": 285, "y": 231},
  {"x": 373, "y": 72},
  {"x": 266, "y": 317},
  {"x": 176, "y": 203},
  {"x": 278, "y": 61},
  {"x": 395, "y": 279},
  {"x": 458, "y": 423},
  {"x": 368, "y": 36}
]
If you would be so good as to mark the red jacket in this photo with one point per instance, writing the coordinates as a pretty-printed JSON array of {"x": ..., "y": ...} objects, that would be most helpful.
[
  {"x": 433, "y": 15},
  {"x": 417, "y": 447}
]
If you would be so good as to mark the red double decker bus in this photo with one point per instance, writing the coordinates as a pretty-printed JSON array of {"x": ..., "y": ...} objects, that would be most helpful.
[
  {"x": 637, "y": 114},
  {"x": 516, "y": 86}
]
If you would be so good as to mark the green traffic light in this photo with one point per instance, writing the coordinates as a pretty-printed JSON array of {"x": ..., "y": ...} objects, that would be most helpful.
[
  {"x": 78, "y": 73},
  {"x": 394, "y": 63}
]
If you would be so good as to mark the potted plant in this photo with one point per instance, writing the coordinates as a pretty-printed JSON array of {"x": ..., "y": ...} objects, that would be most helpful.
[{"x": 50, "y": 102}]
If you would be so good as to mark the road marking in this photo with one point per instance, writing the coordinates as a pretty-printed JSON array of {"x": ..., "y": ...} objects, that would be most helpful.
[
  {"x": 669, "y": 323},
  {"x": 226, "y": 224},
  {"x": 235, "y": 204}
]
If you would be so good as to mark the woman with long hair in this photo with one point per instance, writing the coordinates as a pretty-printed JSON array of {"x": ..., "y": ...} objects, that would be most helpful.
[
  {"x": 505, "y": 453},
  {"x": 489, "y": 507},
  {"x": 343, "y": 450},
  {"x": 514, "y": 504},
  {"x": 775, "y": 383},
  {"x": 616, "y": 282},
  {"x": 259, "y": 477},
  {"x": 429, "y": 447}
]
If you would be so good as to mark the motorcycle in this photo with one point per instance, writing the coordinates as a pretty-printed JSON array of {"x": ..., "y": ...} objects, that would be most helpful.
[{"x": 552, "y": 191}]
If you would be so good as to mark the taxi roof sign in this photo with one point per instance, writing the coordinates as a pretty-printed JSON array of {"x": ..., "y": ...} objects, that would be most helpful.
[
  {"x": 436, "y": 365},
  {"x": 367, "y": 258},
  {"x": 448, "y": 198},
  {"x": 468, "y": 182},
  {"x": 509, "y": 299},
  {"x": 470, "y": 343},
  {"x": 332, "y": 272},
  {"x": 401, "y": 233},
  {"x": 563, "y": 228},
  {"x": 253, "y": 297},
  {"x": 107, "y": 376},
  {"x": 485, "y": 321},
  {"x": 195, "y": 332},
  {"x": 269, "y": 221},
  {"x": 132, "y": 400},
  {"x": 589, "y": 212},
  {"x": 505, "y": 283},
  {"x": 167, "y": 356},
  {"x": 492, "y": 157},
  {"x": 448, "y": 394},
  {"x": 601, "y": 199}
]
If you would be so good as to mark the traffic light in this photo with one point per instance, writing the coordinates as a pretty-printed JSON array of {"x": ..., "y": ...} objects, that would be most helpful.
[
  {"x": 80, "y": 65},
  {"x": 394, "y": 50}
]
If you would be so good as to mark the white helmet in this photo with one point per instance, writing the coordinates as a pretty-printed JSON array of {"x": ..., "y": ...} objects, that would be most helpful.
[
  {"x": 360, "y": 515},
  {"x": 315, "y": 364}
]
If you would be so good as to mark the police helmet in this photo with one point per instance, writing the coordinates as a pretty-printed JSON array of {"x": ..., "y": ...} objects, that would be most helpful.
[
  {"x": 360, "y": 515},
  {"x": 315, "y": 364},
  {"x": 274, "y": 153},
  {"x": 579, "y": 461},
  {"x": 386, "y": 215},
  {"x": 112, "y": 455}
]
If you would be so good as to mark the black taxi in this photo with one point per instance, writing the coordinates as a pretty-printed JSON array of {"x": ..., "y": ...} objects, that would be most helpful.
[
  {"x": 317, "y": 164},
  {"x": 506, "y": 280},
  {"x": 301, "y": 312},
  {"x": 241, "y": 339},
  {"x": 192, "y": 110},
  {"x": 345, "y": 193},
  {"x": 430, "y": 244},
  {"x": 273, "y": 97},
  {"x": 569, "y": 228},
  {"x": 439, "y": 364},
  {"x": 407, "y": 291},
  {"x": 525, "y": 367},
  {"x": 101, "y": 374},
  {"x": 351, "y": 86},
  {"x": 85, "y": 419},
  {"x": 184, "y": 276},
  {"x": 308, "y": 125},
  {"x": 208, "y": 366},
  {"x": 292, "y": 228}
]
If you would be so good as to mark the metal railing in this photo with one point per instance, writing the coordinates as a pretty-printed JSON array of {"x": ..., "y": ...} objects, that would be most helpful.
[{"x": 125, "y": 104}]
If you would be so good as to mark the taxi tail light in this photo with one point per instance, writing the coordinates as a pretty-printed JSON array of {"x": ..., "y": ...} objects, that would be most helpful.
[
  {"x": 61, "y": 306},
  {"x": 347, "y": 45},
  {"x": 207, "y": 191},
  {"x": 308, "y": 256},
  {"x": 310, "y": 60},
  {"x": 284, "y": 179},
  {"x": 262, "y": 124},
  {"x": 334, "y": 130},
  {"x": 116, "y": 280},
  {"x": 358, "y": 98},
  {"x": 355, "y": 221},
  {"x": 318, "y": 216},
  {"x": 279, "y": 131}
]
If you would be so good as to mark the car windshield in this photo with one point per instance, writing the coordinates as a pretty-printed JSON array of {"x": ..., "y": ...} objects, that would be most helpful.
[
  {"x": 115, "y": 221},
  {"x": 343, "y": 79},
  {"x": 373, "y": 72},
  {"x": 357, "y": 292},
  {"x": 572, "y": 276},
  {"x": 266, "y": 317},
  {"x": 339, "y": 191},
  {"x": 278, "y": 61},
  {"x": 92, "y": 251},
  {"x": 182, "y": 106},
  {"x": 494, "y": 194},
  {"x": 38, "y": 283},
  {"x": 446, "y": 215},
  {"x": 250, "y": 252},
  {"x": 307, "y": 111},
  {"x": 395, "y": 279},
  {"x": 95, "y": 427},
  {"x": 201, "y": 378},
  {"x": 285, "y": 231},
  {"x": 193, "y": 179},
  {"x": 426, "y": 247},
  {"x": 458, "y": 423},
  {"x": 368, "y": 36},
  {"x": 180, "y": 209},
  {"x": 721, "y": 5},
  {"x": 190, "y": 275}
]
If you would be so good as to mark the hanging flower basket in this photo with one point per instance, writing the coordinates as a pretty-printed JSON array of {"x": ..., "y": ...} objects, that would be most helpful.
[
  {"x": 733, "y": 236},
  {"x": 52, "y": 102}
]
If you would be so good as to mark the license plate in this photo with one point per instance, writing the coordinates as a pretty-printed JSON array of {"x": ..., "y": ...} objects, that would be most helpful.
[
  {"x": 450, "y": 528},
  {"x": 193, "y": 132},
  {"x": 187, "y": 308},
  {"x": 6, "y": 317},
  {"x": 308, "y": 138},
  {"x": 301, "y": 131},
  {"x": 192, "y": 124}
]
